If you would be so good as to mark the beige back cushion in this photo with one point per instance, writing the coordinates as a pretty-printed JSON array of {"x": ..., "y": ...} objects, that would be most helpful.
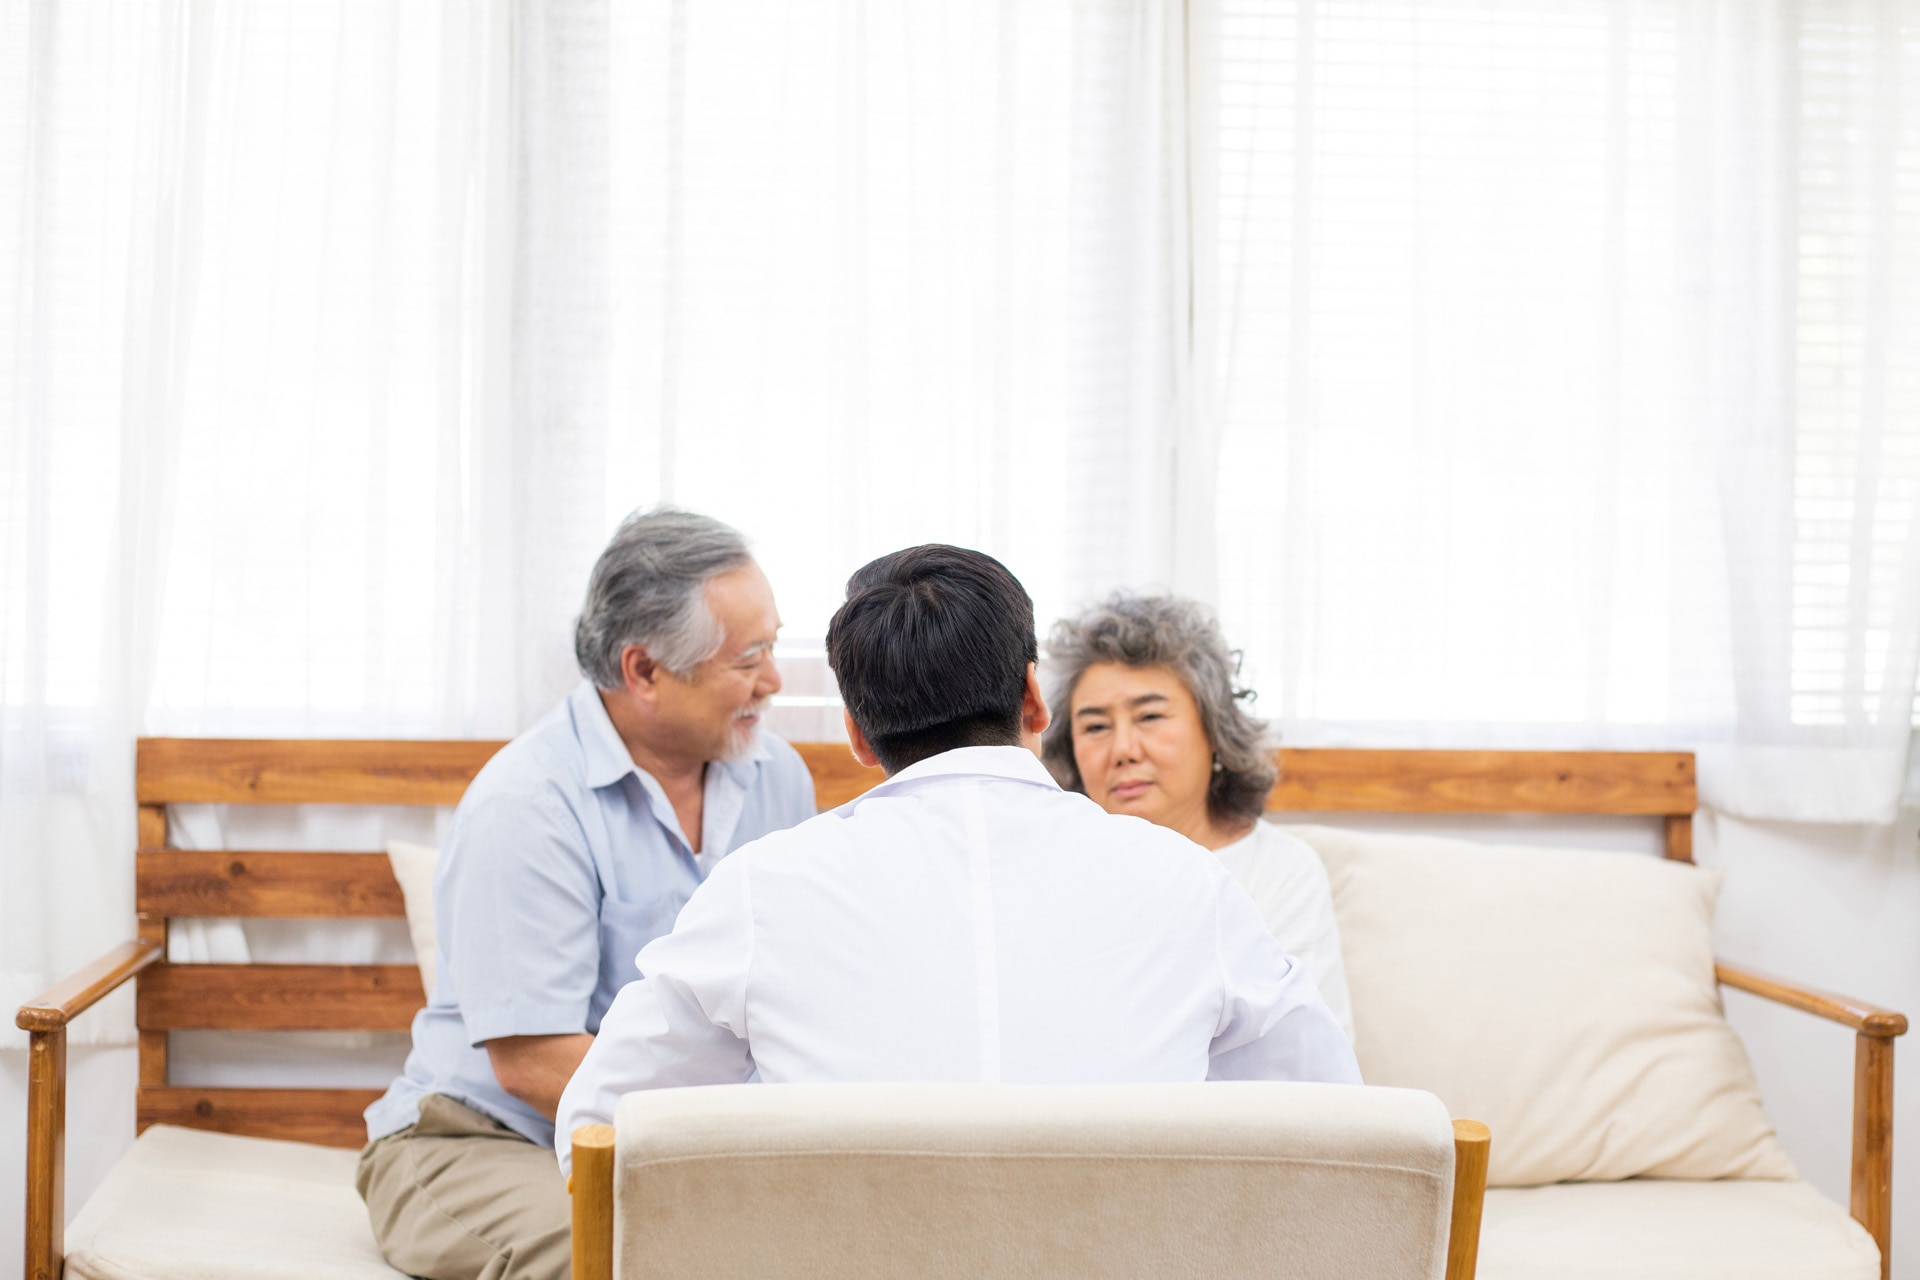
[
  {"x": 1564, "y": 997},
  {"x": 963, "y": 1182},
  {"x": 413, "y": 867}
]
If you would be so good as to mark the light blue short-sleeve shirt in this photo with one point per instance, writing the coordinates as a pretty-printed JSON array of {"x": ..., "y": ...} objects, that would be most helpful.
[{"x": 565, "y": 858}]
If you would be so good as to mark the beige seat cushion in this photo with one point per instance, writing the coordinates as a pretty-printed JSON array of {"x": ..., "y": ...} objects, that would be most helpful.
[
  {"x": 187, "y": 1205},
  {"x": 968, "y": 1182},
  {"x": 1564, "y": 997},
  {"x": 1651, "y": 1230},
  {"x": 413, "y": 866}
]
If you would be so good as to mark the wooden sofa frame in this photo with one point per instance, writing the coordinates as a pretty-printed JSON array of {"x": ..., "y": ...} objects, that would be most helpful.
[{"x": 181, "y": 883}]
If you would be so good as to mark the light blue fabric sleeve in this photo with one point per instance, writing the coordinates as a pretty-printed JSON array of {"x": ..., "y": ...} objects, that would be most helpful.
[
  {"x": 1273, "y": 1023},
  {"x": 517, "y": 908}
]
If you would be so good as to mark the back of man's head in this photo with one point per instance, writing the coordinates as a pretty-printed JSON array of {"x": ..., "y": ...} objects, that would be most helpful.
[{"x": 931, "y": 650}]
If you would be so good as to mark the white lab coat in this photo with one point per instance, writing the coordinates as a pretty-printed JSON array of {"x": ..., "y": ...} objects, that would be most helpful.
[{"x": 966, "y": 920}]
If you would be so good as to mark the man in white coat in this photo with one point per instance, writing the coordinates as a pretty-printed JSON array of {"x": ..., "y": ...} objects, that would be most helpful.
[{"x": 966, "y": 919}]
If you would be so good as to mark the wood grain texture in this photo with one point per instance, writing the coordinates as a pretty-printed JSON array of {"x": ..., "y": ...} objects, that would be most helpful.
[
  {"x": 153, "y": 1057},
  {"x": 1679, "y": 837},
  {"x": 1871, "y": 1198},
  {"x": 1869, "y": 1019},
  {"x": 591, "y": 1186},
  {"x": 306, "y": 771},
  {"x": 181, "y": 882},
  {"x": 327, "y": 1117},
  {"x": 1317, "y": 779},
  {"x": 153, "y": 1044},
  {"x": 1472, "y": 1145},
  {"x": 152, "y": 826},
  {"x": 1338, "y": 780},
  {"x": 69, "y": 998},
  {"x": 279, "y": 997},
  {"x": 837, "y": 776},
  {"x": 46, "y": 1218}
]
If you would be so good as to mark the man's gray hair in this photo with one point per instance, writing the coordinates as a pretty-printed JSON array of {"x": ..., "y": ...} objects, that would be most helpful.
[
  {"x": 1183, "y": 636},
  {"x": 649, "y": 588}
]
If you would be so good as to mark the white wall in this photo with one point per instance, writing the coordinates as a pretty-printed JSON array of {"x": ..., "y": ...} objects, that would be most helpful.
[
  {"x": 1833, "y": 906},
  {"x": 1836, "y": 907}
]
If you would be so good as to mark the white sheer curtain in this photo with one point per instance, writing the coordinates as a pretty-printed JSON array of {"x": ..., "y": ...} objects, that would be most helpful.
[
  {"x": 1568, "y": 366},
  {"x": 340, "y": 336},
  {"x": 98, "y": 266},
  {"x": 248, "y": 481},
  {"x": 884, "y": 274},
  {"x": 1543, "y": 370}
]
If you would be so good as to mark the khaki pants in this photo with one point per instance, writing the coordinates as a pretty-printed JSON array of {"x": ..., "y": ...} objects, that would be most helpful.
[{"x": 458, "y": 1196}]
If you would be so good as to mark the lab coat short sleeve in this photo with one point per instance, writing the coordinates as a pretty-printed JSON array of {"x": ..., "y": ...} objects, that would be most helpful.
[
  {"x": 1273, "y": 1023},
  {"x": 684, "y": 1022}
]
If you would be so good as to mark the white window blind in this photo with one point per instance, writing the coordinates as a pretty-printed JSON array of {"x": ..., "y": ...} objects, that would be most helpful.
[
  {"x": 1567, "y": 365},
  {"x": 1857, "y": 355}
]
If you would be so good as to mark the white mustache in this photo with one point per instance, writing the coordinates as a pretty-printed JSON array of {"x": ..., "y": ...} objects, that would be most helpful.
[{"x": 757, "y": 707}]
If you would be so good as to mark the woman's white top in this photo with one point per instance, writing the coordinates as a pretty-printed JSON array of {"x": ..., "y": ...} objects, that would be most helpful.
[
  {"x": 1289, "y": 885},
  {"x": 966, "y": 920}
]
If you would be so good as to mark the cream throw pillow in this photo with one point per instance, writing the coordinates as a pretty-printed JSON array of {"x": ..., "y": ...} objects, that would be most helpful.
[
  {"x": 1566, "y": 998},
  {"x": 413, "y": 867}
]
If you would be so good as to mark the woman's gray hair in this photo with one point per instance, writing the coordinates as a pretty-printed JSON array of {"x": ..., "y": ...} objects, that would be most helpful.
[
  {"x": 1183, "y": 636},
  {"x": 649, "y": 588}
]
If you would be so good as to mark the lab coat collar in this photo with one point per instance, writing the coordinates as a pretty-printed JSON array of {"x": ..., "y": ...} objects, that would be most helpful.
[{"x": 1015, "y": 764}]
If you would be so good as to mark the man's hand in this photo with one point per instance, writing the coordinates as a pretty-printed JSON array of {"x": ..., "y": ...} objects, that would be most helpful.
[{"x": 535, "y": 1069}]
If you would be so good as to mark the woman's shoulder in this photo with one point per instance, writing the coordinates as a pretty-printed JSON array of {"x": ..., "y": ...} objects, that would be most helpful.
[{"x": 1267, "y": 851}]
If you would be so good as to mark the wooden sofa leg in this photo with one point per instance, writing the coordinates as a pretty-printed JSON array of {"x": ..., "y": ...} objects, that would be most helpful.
[
  {"x": 1472, "y": 1143},
  {"x": 1872, "y": 1199},
  {"x": 592, "y": 1188},
  {"x": 46, "y": 1154}
]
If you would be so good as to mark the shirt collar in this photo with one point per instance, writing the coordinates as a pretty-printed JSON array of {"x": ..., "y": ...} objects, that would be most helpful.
[
  {"x": 608, "y": 759},
  {"x": 1015, "y": 764}
]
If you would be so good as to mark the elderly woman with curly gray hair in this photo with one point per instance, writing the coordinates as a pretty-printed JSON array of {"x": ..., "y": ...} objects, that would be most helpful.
[{"x": 1147, "y": 721}]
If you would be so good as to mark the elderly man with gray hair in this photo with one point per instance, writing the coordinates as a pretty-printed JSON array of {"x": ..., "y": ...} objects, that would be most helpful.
[{"x": 575, "y": 847}]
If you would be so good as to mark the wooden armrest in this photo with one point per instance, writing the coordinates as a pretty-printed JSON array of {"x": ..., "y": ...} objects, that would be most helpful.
[
  {"x": 1871, "y": 1200},
  {"x": 46, "y": 1017},
  {"x": 1868, "y": 1019},
  {"x": 1472, "y": 1144},
  {"x": 73, "y": 996},
  {"x": 592, "y": 1189}
]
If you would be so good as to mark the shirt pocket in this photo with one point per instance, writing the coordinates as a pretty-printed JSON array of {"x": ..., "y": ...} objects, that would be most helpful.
[{"x": 625, "y": 927}]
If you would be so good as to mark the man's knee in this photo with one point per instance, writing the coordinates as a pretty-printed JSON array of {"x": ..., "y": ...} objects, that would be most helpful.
[{"x": 467, "y": 1207}]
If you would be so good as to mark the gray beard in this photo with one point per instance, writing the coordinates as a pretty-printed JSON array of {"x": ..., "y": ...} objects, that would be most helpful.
[{"x": 742, "y": 748}]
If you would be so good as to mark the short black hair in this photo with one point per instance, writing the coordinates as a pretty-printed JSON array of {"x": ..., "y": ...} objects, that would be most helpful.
[{"x": 931, "y": 650}]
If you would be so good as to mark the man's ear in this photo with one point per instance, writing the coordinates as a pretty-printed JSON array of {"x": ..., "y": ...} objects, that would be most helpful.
[
  {"x": 1035, "y": 714},
  {"x": 638, "y": 672},
  {"x": 857, "y": 741}
]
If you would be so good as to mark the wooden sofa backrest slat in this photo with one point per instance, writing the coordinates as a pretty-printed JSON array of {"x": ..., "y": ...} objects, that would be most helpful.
[
  {"x": 329, "y": 1117},
  {"x": 279, "y": 997},
  {"x": 1312, "y": 779},
  {"x": 305, "y": 771},
  {"x": 1340, "y": 780},
  {"x": 225, "y": 883},
  {"x": 176, "y": 883}
]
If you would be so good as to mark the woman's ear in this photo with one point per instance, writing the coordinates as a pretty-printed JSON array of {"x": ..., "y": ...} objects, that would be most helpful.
[{"x": 857, "y": 741}]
